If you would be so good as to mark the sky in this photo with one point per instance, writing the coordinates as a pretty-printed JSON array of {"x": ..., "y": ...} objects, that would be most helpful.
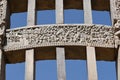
[{"x": 75, "y": 69}]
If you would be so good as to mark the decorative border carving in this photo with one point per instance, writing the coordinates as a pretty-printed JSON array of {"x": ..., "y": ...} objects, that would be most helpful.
[{"x": 60, "y": 35}]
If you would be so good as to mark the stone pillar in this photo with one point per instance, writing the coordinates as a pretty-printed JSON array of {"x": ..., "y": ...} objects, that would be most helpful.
[
  {"x": 91, "y": 55},
  {"x": 4, "y": 14},
  {"x": 60, "y": 51},
  {"x": 29, "y": 57},
  {"x": 60, "y": 56},
  {"x": 30, "y": 65},
  {"x": 115, "y": 18},
  {"x": 2, "y": 66},
  {"x": 4, "y": 23}
]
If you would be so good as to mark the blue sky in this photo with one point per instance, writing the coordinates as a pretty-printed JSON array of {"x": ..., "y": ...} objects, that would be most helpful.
[{"x": 75, "y": 69}]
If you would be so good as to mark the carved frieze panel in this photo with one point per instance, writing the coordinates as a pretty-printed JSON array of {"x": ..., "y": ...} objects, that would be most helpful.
[{"x": 60, "y": 35}]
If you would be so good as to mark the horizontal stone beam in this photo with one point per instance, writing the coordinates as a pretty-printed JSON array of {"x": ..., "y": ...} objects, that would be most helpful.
[{"x": 60, "y": 35}]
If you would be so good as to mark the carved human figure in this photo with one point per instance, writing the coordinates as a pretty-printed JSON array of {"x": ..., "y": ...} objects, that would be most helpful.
[
  {"x": 117, "y": 24},
  {"x": 117, "y": 28}
]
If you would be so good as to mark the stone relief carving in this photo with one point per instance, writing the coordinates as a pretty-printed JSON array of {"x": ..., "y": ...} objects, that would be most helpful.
[
  {"x": 117, "y": 33},
  {"x": 3, "y": 5},
  {"x": 117, "y": 6},
  {"x": 117, "y": 27},
  {"x": 116, "y": 14},
  {"x": 117, "y": 24},
  {"x": 2, "y": 34},
  {"x": 93, "y": 35},
  {"x": 115, "y": 9}
]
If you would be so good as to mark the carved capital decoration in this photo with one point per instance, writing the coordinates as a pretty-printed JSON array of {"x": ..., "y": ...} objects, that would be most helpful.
[{"x": 60, "y": 35}]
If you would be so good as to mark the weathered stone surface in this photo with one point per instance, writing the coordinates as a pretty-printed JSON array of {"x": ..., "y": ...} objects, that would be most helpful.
[
  {"x": 21, "y": 5},
  {"x": 60, "y": 35},
  {"x": 3, "y": 20},
  {"x": 115, "y": 10},
  {"x": 43, "y": 39},
  {"x": 3, "y": 7}
]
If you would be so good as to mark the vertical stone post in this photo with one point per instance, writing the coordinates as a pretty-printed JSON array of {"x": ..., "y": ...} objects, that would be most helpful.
[
  {"x": 118, "y": 64},
  {"x": 4, "y": 20},
  {"x": 59, "y": 12},
  {"x": 2, "y": 66},
  {"x": 61, "y": 63},
  {"x": 87, "y": 12},
  {"x": 60, "y": 51},
  {"x": 115, "y": 11},
  {"x": 91, "y": 58},
  {"x": 31, "y": 16},
  {"x": 30, "y": 65},
  {"x": 115, "y": 18},
  {"x": 29, "y": 57},
  {"x": 91, "y": 64}
]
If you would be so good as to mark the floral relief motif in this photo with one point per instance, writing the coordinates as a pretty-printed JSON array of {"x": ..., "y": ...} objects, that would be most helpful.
[{"x": 92, "y": 35}]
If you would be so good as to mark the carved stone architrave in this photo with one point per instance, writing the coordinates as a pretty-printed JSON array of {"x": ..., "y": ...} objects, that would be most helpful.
[{"x": 60, "y": 35}]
